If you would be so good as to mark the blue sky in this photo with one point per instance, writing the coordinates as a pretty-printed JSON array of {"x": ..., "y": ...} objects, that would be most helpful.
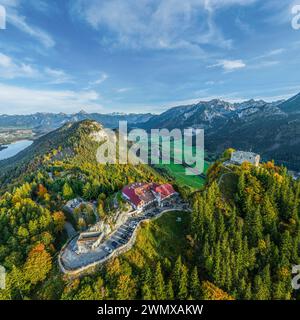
[{"x": 144, "y": 55}]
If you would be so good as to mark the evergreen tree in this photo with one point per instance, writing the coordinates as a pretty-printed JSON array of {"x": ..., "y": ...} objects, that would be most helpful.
[
  {"x": 146, "y": 292},
  {"x": 183, "y": 284},
  {"x": 126, "y": 288},
  {"x": 159, "y": 283},
  {"x": 176, "y": 276},
  {"x": 170, "y": 291},
  {"x": 195, "y": 289}
]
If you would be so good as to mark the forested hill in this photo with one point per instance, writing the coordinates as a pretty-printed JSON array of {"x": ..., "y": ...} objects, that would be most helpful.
[
  {"x": 64, "y": 141},
  {"x": 56, "y": 168},
  {"x": 247, "y": 228},
  {"x": 240, "y": 241}
]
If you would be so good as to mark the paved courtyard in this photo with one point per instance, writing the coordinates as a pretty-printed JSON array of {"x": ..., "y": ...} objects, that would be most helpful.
[{"x": 72, "y": 261}]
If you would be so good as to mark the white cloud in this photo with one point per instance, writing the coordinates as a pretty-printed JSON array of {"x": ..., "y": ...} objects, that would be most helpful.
[
  {"x": 10, "y": 3},
  {"x": 58, "y": 76},
  {"x": 15, "y": 18},
  {"x": 276, "y": 51},
  {"x": 266, "y": 59},
  {"x": 25, "y": 101},
  {"x": 243, "y": 26},
  {"x": 213, "y": 82},
  {"x": 223, "y": 3},
  {"x": 264, "y": 64},
  {"x": 103, "y": 77},
  {"x": 230, "y": 65},
  {"x": 11, "y": 69},
  {"x": 122, "y": 90},
  {"x": 254, "y": 63},
  {"x": 279, "y": 12},
  {"x": 155, "y": 24},
  {"x": 20, "y": 23},
  {"x": 271, "y": 53}
]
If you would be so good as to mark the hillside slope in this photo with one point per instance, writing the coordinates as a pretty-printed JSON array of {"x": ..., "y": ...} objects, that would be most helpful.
[
  {"x": 64, "y": 140},
  {"x": 159, "y": 266},
  {"x": 247, "y": 230},
  {"x": 36, "y": 185}
]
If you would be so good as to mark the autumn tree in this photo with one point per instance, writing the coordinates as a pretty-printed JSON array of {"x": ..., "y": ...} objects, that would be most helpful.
[
  {"x": 126, "y": 288},
  {"x": 59, "y": 220},
  {"x": 38, "y": 264},
  {"x": 67, "y": 192}
]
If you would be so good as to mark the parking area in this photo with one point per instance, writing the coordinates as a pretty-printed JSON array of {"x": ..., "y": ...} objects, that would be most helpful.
[{"x": 119, "y": 238}]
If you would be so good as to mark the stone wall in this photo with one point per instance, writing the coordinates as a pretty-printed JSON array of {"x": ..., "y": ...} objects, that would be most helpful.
[{"x": 92, "y": 267}]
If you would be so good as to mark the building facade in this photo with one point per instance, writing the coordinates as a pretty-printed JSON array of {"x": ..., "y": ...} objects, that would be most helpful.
[
  {"x": 88, "y": 241},
  {"x": 143, "y": 195},
  {"x": 239, "y": 157}
]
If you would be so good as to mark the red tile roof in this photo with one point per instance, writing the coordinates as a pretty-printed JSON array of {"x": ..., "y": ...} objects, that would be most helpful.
[
  {"x": 130, "y": 192},
  {"x": 142, "y": 193},
  {"x": 165, "y": 190}
]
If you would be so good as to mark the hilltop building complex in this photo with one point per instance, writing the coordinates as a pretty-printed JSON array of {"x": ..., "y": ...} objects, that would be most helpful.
[
  {"x": 142, "y": 195},
  {"x": 239, "y": 157}
]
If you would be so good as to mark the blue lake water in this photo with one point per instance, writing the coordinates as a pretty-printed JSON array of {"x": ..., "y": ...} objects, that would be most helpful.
[{"x": 14, "y": 148}]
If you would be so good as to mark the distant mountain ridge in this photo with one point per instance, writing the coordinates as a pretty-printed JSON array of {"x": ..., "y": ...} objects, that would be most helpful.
[
  {"x": 207, "y": 114},
  {"x": 272, "y": 129},
  {"x": 46, "y": 122}
]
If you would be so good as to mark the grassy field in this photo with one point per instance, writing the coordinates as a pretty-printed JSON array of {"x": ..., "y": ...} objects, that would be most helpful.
[
  {"x": 159, "y": 239},
  {"x": 177, "y": 171}
]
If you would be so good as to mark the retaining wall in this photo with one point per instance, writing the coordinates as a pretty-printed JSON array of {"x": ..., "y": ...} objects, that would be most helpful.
[{"x": 115, "y": 253}]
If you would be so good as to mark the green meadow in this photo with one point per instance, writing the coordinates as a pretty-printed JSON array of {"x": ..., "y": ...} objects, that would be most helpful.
[
  {"x": 175, "y": 169},
  {"x": 177, "y": 172}
]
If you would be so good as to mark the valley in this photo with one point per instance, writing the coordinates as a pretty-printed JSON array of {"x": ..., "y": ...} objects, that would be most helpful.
[
  {"x": 61, "y": 166},
  {"x": 149, "y": 157},
  {"x": 272, "y": 129}
]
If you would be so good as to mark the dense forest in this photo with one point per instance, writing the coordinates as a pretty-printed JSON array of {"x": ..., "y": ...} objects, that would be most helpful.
[
  {"x": 34, "y": 192},
  {"x": 239, "y": 242},
  {"x": 246, "y": 224}
]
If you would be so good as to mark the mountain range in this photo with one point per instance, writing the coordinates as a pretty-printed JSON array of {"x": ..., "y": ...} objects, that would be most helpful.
[
  {"x": 45, "y": 122},
  {"x": 271, "y": 129}
]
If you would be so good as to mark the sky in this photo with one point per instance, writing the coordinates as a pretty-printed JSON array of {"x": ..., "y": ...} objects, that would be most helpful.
[{"x": 137, "y": 56}]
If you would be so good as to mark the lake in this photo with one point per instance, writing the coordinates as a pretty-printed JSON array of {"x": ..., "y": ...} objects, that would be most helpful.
[{"x": 14, "y": 148}]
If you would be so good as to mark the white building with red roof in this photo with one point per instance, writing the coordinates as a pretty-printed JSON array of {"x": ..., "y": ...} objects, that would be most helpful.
[
  {"x": 163, "y": 192},
  {"x": 142, "y": 195}
]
